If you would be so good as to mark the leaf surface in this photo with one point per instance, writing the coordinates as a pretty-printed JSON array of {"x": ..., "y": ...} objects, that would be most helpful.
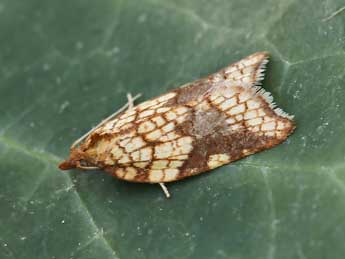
[{"x": 65, "y": 65}]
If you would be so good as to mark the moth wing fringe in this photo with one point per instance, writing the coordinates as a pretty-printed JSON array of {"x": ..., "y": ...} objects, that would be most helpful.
[{"x": 267, "y": 96}]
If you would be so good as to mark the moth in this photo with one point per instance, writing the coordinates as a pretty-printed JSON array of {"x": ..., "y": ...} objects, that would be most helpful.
[{"x": 190, "y": 130}]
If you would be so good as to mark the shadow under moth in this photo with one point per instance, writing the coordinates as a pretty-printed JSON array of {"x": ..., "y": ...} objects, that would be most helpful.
[{"x": 187, "y": 131}]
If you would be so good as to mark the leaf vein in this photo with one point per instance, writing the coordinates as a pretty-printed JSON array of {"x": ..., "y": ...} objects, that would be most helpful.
[{"x": 52, "y": 158}]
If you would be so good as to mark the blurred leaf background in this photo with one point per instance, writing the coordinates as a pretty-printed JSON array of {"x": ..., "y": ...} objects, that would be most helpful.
[{"x": 65, "y": 65}]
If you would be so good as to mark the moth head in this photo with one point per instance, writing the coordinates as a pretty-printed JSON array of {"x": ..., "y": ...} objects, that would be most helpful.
[{"x": 75, "y": 160}]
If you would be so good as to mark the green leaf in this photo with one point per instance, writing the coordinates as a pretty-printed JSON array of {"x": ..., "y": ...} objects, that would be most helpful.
[{"x": 65, "y": 65}]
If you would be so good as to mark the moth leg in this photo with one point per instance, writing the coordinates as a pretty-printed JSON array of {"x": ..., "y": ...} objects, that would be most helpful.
[
  {"x": 165, "y": 190},
  {"x": 86, "y": 167},
  {"x": 123, "y": 108},
  {"x": 130, "y": 101}
]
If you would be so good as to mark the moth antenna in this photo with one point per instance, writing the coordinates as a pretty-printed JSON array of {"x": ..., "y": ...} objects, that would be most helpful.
[{"x": 123, "y": 108}]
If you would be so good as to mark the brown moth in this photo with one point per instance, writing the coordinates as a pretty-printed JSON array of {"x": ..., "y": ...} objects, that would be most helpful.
[{"x": 189, "y": 130}]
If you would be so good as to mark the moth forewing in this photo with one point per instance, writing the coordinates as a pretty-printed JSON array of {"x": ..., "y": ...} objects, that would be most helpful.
[{"x": 189, "y": 130}]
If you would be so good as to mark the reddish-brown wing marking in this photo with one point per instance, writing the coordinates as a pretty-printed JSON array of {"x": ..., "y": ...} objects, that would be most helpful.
[
  {"x": 149, "y": 148},
  {"x": 189, "y": 130}
]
